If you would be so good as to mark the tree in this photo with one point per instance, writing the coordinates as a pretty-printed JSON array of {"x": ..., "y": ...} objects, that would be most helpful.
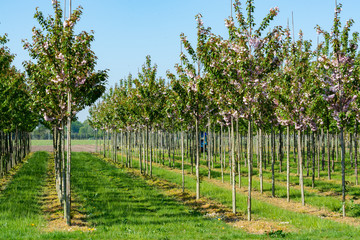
[{"x": 62, "y": 79}]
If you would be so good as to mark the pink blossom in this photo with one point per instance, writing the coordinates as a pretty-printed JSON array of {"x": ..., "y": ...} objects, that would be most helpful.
[
  {"x": 47, "y": 118},
  {"x": 60, "y": 56}
]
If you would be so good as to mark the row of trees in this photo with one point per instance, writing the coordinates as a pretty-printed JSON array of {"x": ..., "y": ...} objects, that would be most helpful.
[
  {"x": 257, "y": 76},
  {"x": 17, "y": 118}
]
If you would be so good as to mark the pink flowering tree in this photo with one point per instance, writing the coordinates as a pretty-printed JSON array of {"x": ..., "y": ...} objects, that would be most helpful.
[
  {"x": 241, "y": 65},
  {"x": 62, "y": 79},
  {"x": 192, "y": 86},
  {"x": 340, "y": 84},
  {"x": 150, "y": 98}
]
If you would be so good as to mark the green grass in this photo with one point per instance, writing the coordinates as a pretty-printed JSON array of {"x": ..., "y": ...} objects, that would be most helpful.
[
  {"x": 121, "y": 206},
  {"x": 20, "y": 213},
  {"x": 332, "y": 203},
  {"x": 311, "y": 227},
  {"x": 73, "y": 142}
]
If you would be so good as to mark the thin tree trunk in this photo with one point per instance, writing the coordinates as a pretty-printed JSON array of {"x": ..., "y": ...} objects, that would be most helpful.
[
  {"x": 343, "y": 169},
  {"x": 233, "y": 166},
  {"x": 197, "y": 160},
  {"x": 209, "y": 149},
  {"x": 313, "y": 160},
  {"x": 272, "y": 162},
  {"x": 261, "y": 161},
  {"x": 221, "y": 157},
  {"x": 355, "y": 154},
  {"x": 68, "y": 166},
  {"x": 301, "y": 180},
  {"x": 249, "y": 169},
  {"x": 280, "y": 147},
  {"x": 182, "y": 161},
  {"x": 328, "y": 152},
  {"x": 288, "y": 163}
]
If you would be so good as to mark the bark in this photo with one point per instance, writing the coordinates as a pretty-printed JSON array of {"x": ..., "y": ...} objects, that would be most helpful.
[
  {"x": 280, "y": 147},
  {"x": 209, "y": 149},
  {"x": 272, "y": 162},
  {"x": 182, "y": 161},
  {"x": 356, "y": 155},
  {"x": 233, "y": 167},
  {"x": 343, "y": 169},
  {"x": 288, "y": 163},
  {"x": 151, "y": 152},
  {"x": 249, "y": 169},
  {"x": 260, "y": 161},
  {"x": 350, "y": 150},
  {"x": 221, "y": 157},
  {"x": 301, "y": 180},
  {"x": 238, "y": 151},
  {"x": 313, "y": 159},
  {"x": 68, "y": 166},
  {"x": 197, "y": 160},
  {"x": 328, "y": 153}
]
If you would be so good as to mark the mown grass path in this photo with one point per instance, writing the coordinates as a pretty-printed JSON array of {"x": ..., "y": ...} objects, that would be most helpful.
[
  {"x": 122, "y": 206},
  {"x": 20, "y": 211}
]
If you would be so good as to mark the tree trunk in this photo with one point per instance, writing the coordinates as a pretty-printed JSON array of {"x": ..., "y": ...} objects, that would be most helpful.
[
  {"x": 221, "y": 157},
  {"x": 272, "y": 162},
  {"x": 288, "y": 163},
  {"x": 343, "y": 169},
  {"x": 301, "y": 180},
  {"x": 151, "y": 152},
  {"x": 280, "y": 147},
  {"x": 182, "y": 161},
  {"x": 313, "y": 159},
  {"x": 249, "y": 168},
  {"x": 68, "y": 165},
  {"x": 350, "y": 150},
  {"x": 209, "y": 149},
  {"x": 197, "y": 160},
  {"x": 261, "y": 161},
  {"x": 233, "y": 166},
  {"x": 356, "y": 155},
  {"x": 328, "y": 153}
]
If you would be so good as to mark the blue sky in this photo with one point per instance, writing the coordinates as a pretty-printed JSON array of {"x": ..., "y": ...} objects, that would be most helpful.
[{"x": 127, "y": 30}]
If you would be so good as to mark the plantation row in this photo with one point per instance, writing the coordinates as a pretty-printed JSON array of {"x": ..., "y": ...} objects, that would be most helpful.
[
  {"x": 319, "y": 167},
  {"x": 257, "y": 81},
  {"x": 59, "y": 81},
  {"x": 17, "y": 119}
]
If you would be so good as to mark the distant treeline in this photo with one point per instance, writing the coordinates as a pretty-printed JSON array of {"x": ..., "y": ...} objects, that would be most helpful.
[{"x": 78, "y": 131}]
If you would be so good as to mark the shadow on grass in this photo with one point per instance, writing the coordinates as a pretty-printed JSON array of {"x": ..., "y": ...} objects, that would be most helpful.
[
  {"x": 21, "y": 196},
  {"x": 116, "y": 200}
]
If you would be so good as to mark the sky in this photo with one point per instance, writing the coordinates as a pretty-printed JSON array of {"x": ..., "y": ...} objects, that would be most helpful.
[{"x": 126, "y": 31}]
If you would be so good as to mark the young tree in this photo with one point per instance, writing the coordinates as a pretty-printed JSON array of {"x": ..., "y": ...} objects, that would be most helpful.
[
  {"x": 340, "y": 85},
  {"x": 62, "y": 78}
]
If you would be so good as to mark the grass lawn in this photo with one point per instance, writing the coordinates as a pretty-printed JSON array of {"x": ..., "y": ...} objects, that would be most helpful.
[{"x": 122, "y": 206}]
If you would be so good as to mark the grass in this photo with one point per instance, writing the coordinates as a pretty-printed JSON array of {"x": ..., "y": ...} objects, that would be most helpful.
[
  {"x": 73, "y": 142},
  {"x": 20, "y": 213},
  {"x": 311, "y": 226},
  {"x": 330, "y": 202},
  {"x": 122, "y": 206}
]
